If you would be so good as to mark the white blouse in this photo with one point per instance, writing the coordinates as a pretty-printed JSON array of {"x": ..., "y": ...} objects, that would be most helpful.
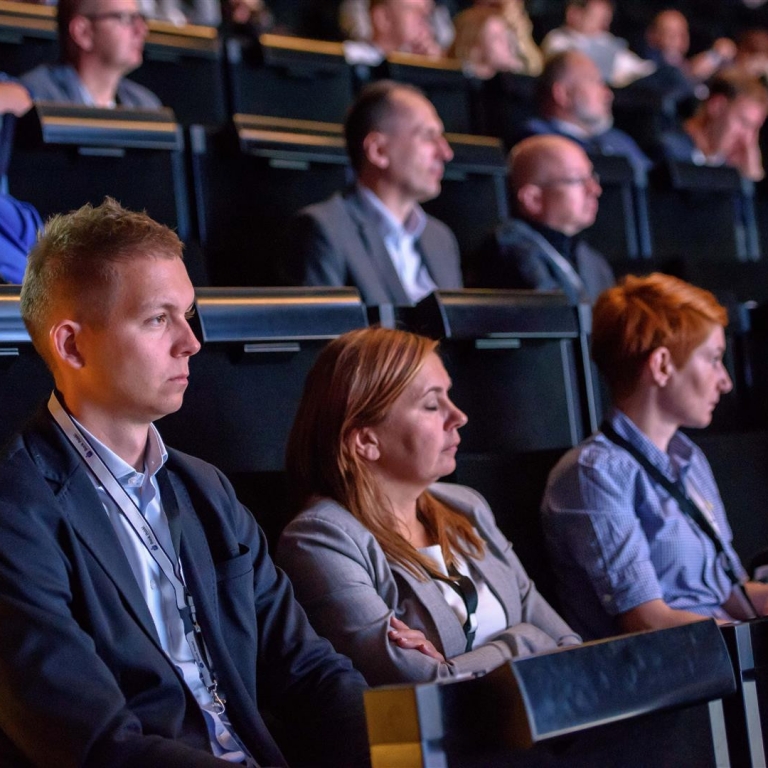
[{"x": 490, "y": 618}]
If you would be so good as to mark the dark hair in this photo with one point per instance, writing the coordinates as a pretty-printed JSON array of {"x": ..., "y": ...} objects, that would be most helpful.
[
  {"x": 555, "y": 69},
  {"x": 733, "y": 83},
  {"x": 74, "y": 258},
  {"x": 66, "y": 10},
  {"x": 585, "y": 3},
  {"x": 370, "y": 112}
]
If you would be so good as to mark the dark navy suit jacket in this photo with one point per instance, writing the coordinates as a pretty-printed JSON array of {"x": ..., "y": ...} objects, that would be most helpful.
[
  {"x": 517, "y": 256},
  {"x": 83, "y": 679}
]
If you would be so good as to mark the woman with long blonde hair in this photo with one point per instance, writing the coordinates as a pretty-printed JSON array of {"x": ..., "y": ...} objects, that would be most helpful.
[{"x": 409, "y": 577}]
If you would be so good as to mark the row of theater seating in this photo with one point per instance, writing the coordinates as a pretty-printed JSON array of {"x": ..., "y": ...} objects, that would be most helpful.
[
  {"x": 520, "y": 367},
  {"x": 231, "y": 191}
]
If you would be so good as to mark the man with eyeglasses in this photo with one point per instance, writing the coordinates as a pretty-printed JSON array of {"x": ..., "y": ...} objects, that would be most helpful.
[
  {"x": 554, "y": 193},
  {"x": 101, "y": 41}
]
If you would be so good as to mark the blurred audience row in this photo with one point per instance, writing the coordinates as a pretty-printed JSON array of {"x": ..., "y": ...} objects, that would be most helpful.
[
  {"x": 375, "y": 235},
  {"x": 490, "y": 36}
]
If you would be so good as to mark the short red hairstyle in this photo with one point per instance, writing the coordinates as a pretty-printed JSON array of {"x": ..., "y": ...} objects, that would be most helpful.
[{"x": 641, "y": 314}]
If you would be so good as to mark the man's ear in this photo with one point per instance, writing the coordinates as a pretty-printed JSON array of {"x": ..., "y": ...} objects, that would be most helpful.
[
  {"x": 380, "y": 19},
  {"x": 529, "y": 199},
  {"x": 81, "y": 32},
  {"x": 376, "y": 148},
  {"x": 64, "y": 337},
  {"x": 365, "y": 444},
  {"x": 660, "y": 366}
]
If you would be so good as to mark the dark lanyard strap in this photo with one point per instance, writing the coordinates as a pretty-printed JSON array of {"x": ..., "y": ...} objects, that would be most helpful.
[
  {"x": 465, "y": 588},
  {"x": 686, "y": 504}
]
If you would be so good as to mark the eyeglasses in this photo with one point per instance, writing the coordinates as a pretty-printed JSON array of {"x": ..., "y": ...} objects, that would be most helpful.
[
  {"x": 577, "y": 181},
  {"x": 123, "y": 18}
]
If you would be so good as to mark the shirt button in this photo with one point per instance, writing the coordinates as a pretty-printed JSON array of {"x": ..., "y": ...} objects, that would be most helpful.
[{"x": 153, "y": 584}]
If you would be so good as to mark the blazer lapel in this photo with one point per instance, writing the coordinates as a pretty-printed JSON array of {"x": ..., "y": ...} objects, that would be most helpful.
[
  {"x": 70, "y": 82},
  {"x": 436, "y": 260},
  {"x": 377, "y": 252},
  {"x": 489, "y": 567},
  {"x": 447, "y": 624},
  {"x": 79, "y": 501}
]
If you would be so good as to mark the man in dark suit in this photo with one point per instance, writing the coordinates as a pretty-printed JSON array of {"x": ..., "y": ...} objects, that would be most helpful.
[
  {"x": 555, "y": 193},
  {"x": 375, "y": 236},
  {"x": 143, "y": 621}
]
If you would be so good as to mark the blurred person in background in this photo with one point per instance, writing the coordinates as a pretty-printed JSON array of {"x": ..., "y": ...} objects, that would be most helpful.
[
  {"x": 101, "y": 41},
  {"x": 725, "y": 129},
  {"x": 484, "y": 43},
  {"x": 403, "y": 26},
  {"x": 586, "y": 29}
]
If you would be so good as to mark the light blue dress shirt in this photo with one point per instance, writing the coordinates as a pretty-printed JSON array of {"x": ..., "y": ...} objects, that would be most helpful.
[
  {"x": 157, "y": 590},
  {"x": 400, "y": 241},
  {"x": 617, "y": 539}
]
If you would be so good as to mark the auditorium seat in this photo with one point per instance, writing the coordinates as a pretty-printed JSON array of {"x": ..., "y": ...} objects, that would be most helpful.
[
  {"x": 249, "y": 179},
  {"x": 621, "y": 230},
  {"x": 246, "y": 382},
  {"x": 27, "y": 36},
  {"x": 473, "y": 198},
  {"x": 644, "y": 113},
  {"x": 288, "y": 77},
  {"x": 584, "y": 706},
  {"x": 443, "y": 82},
  {"x": 519, "y": 365},
  {"x": 702, "y": 213},
  {"x": 66, "y": 156},
  {"x": 503, "y": 103},
  {"x": 184, "y": 66},
  {"x": 24, "y": 380}
]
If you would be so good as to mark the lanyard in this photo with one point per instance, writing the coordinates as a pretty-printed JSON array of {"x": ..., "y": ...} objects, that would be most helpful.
[
  {"x": 687, "y": 505},
  {"x": 465, "y": 588},
  {"x": 171, "y": 568}
]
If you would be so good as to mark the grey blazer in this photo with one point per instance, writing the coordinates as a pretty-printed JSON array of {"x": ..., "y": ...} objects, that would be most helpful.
[
  {"x": 60, "y": 82},
  {"x": 350, "y": 591},
  {"x": 337, "y": 243}
]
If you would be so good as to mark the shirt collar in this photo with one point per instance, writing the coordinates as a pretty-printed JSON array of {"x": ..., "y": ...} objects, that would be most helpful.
[
  {"x": 413, "y": 226},
  {"x": 674, "y": 463},
  {"x": 154, "y": 458},
  {"x": 571, "y": 129},
  {"x": 86, "y": 96}
]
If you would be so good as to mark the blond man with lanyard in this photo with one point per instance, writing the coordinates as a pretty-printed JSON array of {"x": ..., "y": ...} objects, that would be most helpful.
[{"x": 142, "y": 615}]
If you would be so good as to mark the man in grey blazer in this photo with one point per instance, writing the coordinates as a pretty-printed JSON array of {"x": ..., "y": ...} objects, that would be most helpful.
[
  {"x": 101, "y": 41},
  {"x": 375, "y": 236},
  {"x": 555, "y": 193}
]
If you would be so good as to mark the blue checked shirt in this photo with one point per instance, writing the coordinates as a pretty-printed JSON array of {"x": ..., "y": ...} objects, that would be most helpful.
[{"x": 616, "y": 539}]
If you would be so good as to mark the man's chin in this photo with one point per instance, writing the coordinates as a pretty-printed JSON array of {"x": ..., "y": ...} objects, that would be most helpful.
[{"x": 601, "y": 125}]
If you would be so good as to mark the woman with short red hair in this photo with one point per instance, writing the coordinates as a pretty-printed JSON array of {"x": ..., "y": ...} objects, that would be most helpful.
[{"x": 636, "y": 529}]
